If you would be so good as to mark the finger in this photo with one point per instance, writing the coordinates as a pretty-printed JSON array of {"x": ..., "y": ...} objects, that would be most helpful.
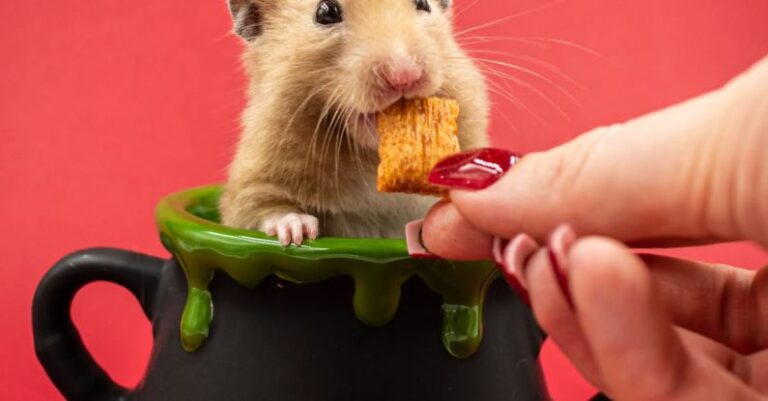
[
  {"x": 270, "y": 227},
  {"x": 759, "y": 371},
  {"x": 310, "y": 224},
  {"x": 556, "y": 317},
  {"x": 672, "y": 176},
  {"x": 297, "y": 229},
  {"x": 736, "y": 300},
  {"x": 733, "y": 362},
  {"x": 631, "y": 175},
  {"x": 655, "y": 181},
  {"x": 638, "y": 352},
  {"x": 283, "y": 234},
  {"x": 451, "y": 236}
]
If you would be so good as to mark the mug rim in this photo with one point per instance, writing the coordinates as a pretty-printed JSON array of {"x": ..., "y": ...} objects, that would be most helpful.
[{"x": 189, "y": 217}]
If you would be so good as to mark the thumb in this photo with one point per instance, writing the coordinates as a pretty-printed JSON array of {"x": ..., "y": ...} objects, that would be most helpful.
[{"x": 695, "y": 171}]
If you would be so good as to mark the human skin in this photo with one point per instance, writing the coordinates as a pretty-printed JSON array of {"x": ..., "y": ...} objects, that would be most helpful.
[{"x": 639, "y": 327}]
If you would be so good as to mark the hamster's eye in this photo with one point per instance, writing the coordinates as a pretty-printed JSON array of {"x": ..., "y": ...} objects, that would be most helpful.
[
  {"x": 423, "y": 5},
  {"x": 328, "y": 12}
]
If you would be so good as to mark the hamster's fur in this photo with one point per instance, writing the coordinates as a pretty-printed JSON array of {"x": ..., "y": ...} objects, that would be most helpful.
[{"x": 306, "y": 161}]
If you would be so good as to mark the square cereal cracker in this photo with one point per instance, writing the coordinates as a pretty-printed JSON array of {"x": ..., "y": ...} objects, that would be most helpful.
[{"x": 414, "y": 135}]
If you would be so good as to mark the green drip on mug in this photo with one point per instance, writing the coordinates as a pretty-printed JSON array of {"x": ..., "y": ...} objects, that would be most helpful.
[
  {"x": 189, "y": 228},
  {"x": 196, "y": 319}
]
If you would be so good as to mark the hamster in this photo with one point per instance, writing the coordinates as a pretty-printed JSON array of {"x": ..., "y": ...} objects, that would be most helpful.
[{"x": 319, "y": 72}]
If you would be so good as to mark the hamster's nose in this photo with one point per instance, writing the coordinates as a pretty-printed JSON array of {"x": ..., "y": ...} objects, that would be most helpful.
[{"x": 401, "y": 74}]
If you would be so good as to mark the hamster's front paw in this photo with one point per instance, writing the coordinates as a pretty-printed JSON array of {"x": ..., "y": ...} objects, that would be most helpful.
[{"x": 291, "y": 227}]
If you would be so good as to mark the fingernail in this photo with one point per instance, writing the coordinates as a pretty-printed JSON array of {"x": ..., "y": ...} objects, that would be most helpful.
[
  {"x": 499, "y": 243},
  {"x": 513, "y": 260},
  {"x": 474, "y": 169},
  {"x": 559, "y": 242},
  {"x": 413, "y": 242}
]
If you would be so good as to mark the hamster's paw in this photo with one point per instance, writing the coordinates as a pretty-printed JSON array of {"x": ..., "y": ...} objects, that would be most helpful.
[{"x": 291, "y": 227}]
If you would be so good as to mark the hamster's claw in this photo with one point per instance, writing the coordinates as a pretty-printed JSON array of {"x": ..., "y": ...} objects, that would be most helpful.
[{"x": 291, "y": 227}]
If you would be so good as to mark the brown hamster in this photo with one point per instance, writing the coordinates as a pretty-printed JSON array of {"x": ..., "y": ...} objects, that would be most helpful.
[{"x": 319, "y": 72}]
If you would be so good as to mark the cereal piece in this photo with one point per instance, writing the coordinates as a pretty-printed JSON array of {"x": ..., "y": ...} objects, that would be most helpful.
[{"x": 414, "y": 135}]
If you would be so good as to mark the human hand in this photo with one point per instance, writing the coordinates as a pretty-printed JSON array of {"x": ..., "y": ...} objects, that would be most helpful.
[{"x": 638, "y": 327}]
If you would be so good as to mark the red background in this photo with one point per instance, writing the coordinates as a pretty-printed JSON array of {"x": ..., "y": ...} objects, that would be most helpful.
[{"x": 106, "y": 106}]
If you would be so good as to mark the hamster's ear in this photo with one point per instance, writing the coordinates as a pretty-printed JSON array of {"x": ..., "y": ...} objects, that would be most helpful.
[{"x": 247, "y": 17}]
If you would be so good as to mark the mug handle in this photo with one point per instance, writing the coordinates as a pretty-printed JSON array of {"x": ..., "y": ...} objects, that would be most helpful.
[{"x": 57, "y": 342}]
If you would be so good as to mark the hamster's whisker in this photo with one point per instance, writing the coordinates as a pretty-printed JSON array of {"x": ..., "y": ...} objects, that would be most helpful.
[
  {"x": 532, "y": 73},
  {"x": 343, "y": 136},
  {"x": 352, "y": 145},
  {"x": 472, "y": 40},
  {"x": 320, "y": 160},
  {"x": 505, "y": 92},
  {"x": 337, "y": 148},
  {"x": 541, "y": 42},
  {"x": 339, "y": 134},
  {"x": 331, "y": 135},
  {"x": 489, "y": 70},
  {"x": 533, "y": 60},
  {"x": 313, "y": 138},
  {"x": 301, "y": 106},
  {"x": 527, "y": 85},
  {"x": 378, "y": 79},
  {"x": 502, "y": 91},
  {"x": 509, "y": 17},
  {"x": 576, "y": 46},
  {"x": 508, "y": 121},
  {"x": 363, "y": 95},
  {"x": 329, "y": 129},
  {"x": 458, "y": 11}
]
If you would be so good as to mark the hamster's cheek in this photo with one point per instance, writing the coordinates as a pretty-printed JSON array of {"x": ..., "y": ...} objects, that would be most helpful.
[
  {"x": 434, "y": 77},
  {"x": 363, "y": 131}
]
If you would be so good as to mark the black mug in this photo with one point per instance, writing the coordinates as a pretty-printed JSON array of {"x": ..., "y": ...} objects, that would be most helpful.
[{"x": 286, "y": 339}]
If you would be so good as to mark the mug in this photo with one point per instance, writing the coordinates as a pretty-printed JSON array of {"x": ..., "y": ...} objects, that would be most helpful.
[{"x": 237, "y": 316}]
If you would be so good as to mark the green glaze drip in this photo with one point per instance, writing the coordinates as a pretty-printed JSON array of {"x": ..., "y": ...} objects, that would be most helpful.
[
  {"x": 197, "y": 316},
  {"x": 188, "y": 228}
]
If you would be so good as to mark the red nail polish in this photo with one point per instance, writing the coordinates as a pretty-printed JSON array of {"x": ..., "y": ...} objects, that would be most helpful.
[
  {"x": 562, "y": 280},
  {"x": 474, "y": 169},
  {"x": 512, "y": 257}
]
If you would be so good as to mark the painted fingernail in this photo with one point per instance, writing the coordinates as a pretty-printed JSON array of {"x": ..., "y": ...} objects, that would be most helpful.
[
  {"x": 513, "y": 260},
  {"x": 413, "y": 242},
  {"x": 559, "y": 242},
  {"x": 474, "y": 169},
  {"x": 499, "y": 243},
  {"x": 497, "y": 249}
]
